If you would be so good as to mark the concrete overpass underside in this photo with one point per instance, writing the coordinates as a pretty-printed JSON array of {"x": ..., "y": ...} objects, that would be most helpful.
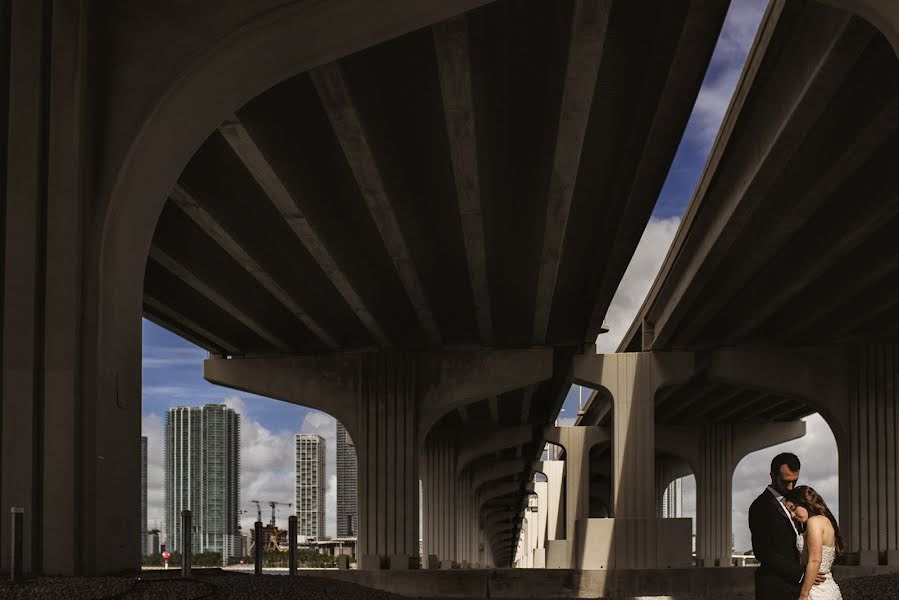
[
  {"x": 414, "y": 217},
  {"x": 470, "y": 188},
  {"x": 781, "y": 281}
]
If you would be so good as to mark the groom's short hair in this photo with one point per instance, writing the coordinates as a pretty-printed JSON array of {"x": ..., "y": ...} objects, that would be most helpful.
[{"x": 785, "y": 458}]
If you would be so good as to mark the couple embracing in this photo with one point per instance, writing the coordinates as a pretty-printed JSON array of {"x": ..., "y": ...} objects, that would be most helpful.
[{"x": 795, "y": 538}]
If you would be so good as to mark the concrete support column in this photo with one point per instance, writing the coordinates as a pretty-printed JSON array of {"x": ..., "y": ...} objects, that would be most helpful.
[
  {"x": 387, "y": 451},
  {"x": 714, "y": 493},
  {"x": 440, "y": 495},
  {"x": 65, "y": 441},
  {"x": 464, "y": 520},
  {"x": 869, "y": 468},
  {"x": 632, "y": 538}
]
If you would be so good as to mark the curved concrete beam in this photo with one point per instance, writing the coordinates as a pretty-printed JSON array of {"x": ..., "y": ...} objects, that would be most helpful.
[
  {"x": 489, "y": 471},
  {"x": 497, "y": 490},
  {"x": 475, "y": 447},
  {"x": 323, "y": 383},
  {"x": 882, "y": 14},
  {"x": 577, "y": 437},
  {"x": 468, "y": 376}
]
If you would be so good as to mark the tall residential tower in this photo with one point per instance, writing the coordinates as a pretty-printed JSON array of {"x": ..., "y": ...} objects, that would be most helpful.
[
  {"x": 310, "y": 485},
  {"x": 202, "y": 474},
  {"x": 346, "y": 484}
]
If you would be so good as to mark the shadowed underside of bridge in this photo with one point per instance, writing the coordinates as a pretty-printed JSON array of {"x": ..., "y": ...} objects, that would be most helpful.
[
  {"x": 791, "y": 237},
  {"x": 782, "y": 281},
  {"x": 480, "y": 183}
]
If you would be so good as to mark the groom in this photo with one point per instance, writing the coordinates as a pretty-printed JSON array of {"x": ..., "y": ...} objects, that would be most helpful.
[{"x": 774, "y": 533}]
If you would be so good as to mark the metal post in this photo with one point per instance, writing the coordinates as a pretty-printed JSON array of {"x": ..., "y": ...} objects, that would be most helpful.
[
  {"x": 186, "y": 542},
  {"x": 292, "y": 543},
  {"x": 257, "y": 550},
  {"x": 17, "y": 521}
]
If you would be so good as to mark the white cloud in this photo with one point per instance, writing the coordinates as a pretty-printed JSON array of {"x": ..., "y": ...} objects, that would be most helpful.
[
  {"x": 737, "y": 33},
  {"x": 236, "y": 404},
  {"x": 152, "y": 427},
  {"x": 637, "y": 280},
  {"x": 189, "y": 395},
  {"x": 163, "y": 357}
]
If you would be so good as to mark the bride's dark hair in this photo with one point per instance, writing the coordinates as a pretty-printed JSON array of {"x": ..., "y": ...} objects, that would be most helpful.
[{"x": 810, "y": 500}]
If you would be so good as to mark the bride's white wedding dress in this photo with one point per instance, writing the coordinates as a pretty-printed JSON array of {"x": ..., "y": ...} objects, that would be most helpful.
[{"x": 828, "y": 590}]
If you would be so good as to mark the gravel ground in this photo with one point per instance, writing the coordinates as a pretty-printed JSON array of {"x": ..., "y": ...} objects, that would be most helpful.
[
  {"x": 879, "y": 587},
  {"x": 204, "y": 584},
  {"x": 219, "y": 584}
]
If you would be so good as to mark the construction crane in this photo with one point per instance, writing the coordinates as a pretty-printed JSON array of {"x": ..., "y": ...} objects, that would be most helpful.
[
  {"x": 258, "y": 510},
  {"x": 273, "y": 540},
  {"x": 273, "y": 504}
]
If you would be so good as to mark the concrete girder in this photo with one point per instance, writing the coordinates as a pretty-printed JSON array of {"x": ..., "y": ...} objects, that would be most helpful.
[
  {"x": 182, "y": 272},
  {"x": 883, "y": 14},
  {"x": 483, "y": 473},
  {"x": 451, "y": 45},
  {"x": 506, "y": 437},
  {"x": 185, "y": 201},
  {"x": 165, "y": 316},
  {"x": 469, "y": 376},
  {"x": 500, "y": 516},
  {"x": 499, "y": 489},
  {"x": 585, "y": 50},
  {"x": 501, "y": 527},
  {"x": 824, "y": 62},
  {"x": 290, "y": 208},
  {"x": 527, "y": 399},
  {"x": 340, "y": 106}
]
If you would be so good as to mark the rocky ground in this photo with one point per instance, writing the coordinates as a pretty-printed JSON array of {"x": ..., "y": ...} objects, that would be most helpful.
[
  {"x": 880, "y": 587},
  {"x": 219, "y": 584}
]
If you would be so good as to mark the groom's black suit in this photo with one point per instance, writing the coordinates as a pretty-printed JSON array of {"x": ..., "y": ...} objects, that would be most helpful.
[{"x": 774, "y": 544}]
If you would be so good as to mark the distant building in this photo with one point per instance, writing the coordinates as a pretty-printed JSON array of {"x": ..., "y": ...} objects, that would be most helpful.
[
  {"x": 143, "y": 490},
  {"x": 673, "y": 500},
  {"x": 347, "y": 517},
  {"x": 151, "y": 545},
  {"x": 202, "y": 474},
  {"x": 310, "y": 485}
]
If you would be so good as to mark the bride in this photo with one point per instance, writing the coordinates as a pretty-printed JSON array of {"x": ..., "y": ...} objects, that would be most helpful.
[{"x": 820, "y": 544}]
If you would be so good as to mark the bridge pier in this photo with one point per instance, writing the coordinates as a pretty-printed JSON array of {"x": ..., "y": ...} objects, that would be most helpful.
[
  {"x": 855, "y": 389},
  {"x": 630, "y": 539},
  {"x": 441, "y": 514},
  {"x": 388, "y": 403}
]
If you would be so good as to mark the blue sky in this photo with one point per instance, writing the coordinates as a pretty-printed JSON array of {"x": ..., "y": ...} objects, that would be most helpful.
[{"x": 172, "y": 367}]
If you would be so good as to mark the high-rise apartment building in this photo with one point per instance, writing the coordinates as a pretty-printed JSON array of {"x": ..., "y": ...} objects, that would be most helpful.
[
  {"x": 143, "y": 492},
  {"x": 310, "y": 485},
  {"x": 202, "y": 474},
  {"x": 346, "y": 484},
  {"x": 673, "y": 500}
]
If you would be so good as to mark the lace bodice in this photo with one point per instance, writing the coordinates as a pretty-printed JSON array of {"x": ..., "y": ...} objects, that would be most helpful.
[
  {"x": 828, "y": 554},
  {"x": 829, "y": 590}
]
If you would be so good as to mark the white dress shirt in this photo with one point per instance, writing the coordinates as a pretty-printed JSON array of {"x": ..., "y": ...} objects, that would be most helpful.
[{"x": 780, "y": 500}]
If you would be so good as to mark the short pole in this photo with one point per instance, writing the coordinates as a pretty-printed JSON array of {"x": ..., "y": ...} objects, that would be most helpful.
[
  {"x": 187, "y": 542},
  {"x": 257, "y": 550},
  {"x": 292, "y": 543},
  {"x": 17, "y": 522}
]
